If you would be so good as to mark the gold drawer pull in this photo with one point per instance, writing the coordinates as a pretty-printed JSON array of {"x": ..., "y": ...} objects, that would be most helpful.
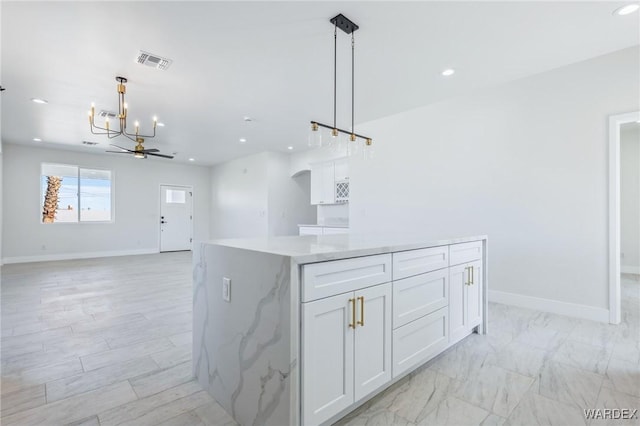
[
  {"x": 361, "y": 322},
  {"x": 353, "y": 313},
  {"x": 471, "y": 283}
]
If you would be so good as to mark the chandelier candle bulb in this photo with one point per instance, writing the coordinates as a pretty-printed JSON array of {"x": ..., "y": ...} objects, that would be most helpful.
[{"x": 121, "y": 124}]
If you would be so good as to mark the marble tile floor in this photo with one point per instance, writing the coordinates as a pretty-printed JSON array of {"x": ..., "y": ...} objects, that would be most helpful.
[
  {"x": 534, "y": 368},
  {"x": 108, "y": 342}
]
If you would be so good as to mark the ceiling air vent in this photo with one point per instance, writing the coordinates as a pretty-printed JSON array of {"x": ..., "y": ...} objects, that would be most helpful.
[
  {"x": 151, "y": 60},
  {"x": 105, "y": 114},
  {"x": 89, "y": 143}
]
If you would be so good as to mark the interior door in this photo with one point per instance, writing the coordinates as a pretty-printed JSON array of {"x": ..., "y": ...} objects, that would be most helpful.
[{"x": 176, "y": 215}]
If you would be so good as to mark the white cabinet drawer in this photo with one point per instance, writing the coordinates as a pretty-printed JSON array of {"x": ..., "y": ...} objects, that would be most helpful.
[
  {"x": 419, "y": 341},
  {"x": 414, "y": 262},
  {"x": 330, "y": 231},
  {"x": 310, "y": 230},
  {"x": 329, "y": 278},
  {"x": 465, "y": 252},
  {"x": 418, "y": 296}
]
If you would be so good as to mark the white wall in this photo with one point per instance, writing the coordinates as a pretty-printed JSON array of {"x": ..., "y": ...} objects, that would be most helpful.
[
  {"x": 289, "y": 197},
  {"x": 255, "y": 196},
  {"x": 137, "y": 204},
  {"x": 630, "y": 198},
  {"x": 524, "y": 163},
  {"x": 239, "y": 198}
]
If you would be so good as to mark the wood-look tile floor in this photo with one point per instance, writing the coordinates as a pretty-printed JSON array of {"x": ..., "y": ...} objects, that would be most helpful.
[
  {"x": 101, "y": 342},
  {"x": 108, "y": 342}
]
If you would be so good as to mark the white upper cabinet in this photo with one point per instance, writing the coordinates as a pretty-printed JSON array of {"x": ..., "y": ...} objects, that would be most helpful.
[
  {"x": 323, "y": 183},
  {"x": 341, "y": 169},
  {"x": 330, "y": 182}
]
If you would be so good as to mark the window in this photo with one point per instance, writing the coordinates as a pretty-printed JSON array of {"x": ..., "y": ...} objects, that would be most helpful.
[
  {"x": 176, "y": 196},
  {"x": 72, "y": 194}
]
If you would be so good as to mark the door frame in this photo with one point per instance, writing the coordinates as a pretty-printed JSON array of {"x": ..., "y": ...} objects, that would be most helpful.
[
  {"x": 190, "y": 189},
  {"x": 615, "y": 123}
]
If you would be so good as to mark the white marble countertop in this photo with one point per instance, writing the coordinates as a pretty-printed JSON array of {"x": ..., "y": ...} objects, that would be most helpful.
[
  {"x": 318, "y": 248},
  {"x": 316, "y": 225}
]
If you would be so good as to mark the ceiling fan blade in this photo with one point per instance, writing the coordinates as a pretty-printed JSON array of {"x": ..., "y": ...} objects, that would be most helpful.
[
  {"x": 150, "y": 150},
  {"x": 121, "y": 152},
  {"x": 119, "y": 147},
  {"x": 161, "y": 155}
]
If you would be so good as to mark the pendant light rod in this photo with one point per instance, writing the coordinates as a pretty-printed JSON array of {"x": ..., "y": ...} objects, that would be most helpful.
[
  {"x": 335, "y": 70},
  {"x": 353, "y": 44}
]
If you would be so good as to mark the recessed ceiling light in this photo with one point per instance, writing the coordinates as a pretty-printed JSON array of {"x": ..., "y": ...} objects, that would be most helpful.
[
  {"x": 160, "y": 124},
  {"x": 626, "y": 10},
  {"x": 39, "y": 101},
  {"x": 37, "y": 140},
  {"x": 448, "y": 72},
  {"x": 192, "y": 159},
  {"x": 247, "y": 118},
  {"x": 289, "y": 148},
  {"x": 242, "y": 140}
]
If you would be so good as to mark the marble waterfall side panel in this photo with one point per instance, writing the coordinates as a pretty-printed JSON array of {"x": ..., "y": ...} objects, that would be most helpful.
[{"x": 241, "y": 348}]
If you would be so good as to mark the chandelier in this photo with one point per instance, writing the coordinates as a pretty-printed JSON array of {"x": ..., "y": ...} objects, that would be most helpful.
[
  {"x": 121, "y": 118},
  {"x": 335, "y": 137}
]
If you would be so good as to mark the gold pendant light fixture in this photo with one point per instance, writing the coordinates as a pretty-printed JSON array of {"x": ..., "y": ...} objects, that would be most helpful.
[
  {"x": 121, "y": 118},
  {"x": 355, "y": 143}
]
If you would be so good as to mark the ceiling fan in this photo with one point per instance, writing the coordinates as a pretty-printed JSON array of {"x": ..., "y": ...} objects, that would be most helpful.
[{"x": 139, "y": 151}]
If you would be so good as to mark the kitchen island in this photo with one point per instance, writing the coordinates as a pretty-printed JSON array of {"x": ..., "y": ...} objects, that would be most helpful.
[{"x": 302, "y": 330}]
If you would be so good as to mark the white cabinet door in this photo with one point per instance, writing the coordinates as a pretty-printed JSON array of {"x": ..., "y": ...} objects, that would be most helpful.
[
  {"x": 458, "y": 278},
  {"x": 372, "y": 339},
  {"x": 465, "y": 299},
  {"x": 316, "y": 184},
  {"x": 474, "y": 294},
  {"x": 328, "y": 183},
  {"x": 341, "y": 169},
  {"x": 327, "y": 357},
  {"x": 323, "y": 183}
]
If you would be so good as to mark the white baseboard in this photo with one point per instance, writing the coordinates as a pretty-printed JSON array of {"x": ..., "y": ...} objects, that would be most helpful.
[
  {"x": 548, "y": 305},
  {"x": 630, "y": 269},
  {"x": 72, "y": 256}
]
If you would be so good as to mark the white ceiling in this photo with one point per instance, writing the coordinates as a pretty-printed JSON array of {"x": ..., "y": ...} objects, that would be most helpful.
[{"x": 272, "y": 61}]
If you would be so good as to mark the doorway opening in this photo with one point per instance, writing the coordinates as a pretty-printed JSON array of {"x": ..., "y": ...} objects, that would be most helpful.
[
  {"x": 616, "y": 123},
  {"x": 176, "y": 218}
]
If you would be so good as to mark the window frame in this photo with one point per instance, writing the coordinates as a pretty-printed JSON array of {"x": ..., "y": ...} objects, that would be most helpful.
[{"x": 79, "y": 222}]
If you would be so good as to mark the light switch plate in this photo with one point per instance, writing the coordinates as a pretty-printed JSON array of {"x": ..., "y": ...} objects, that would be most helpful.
[{"x": 226, "y": 289}]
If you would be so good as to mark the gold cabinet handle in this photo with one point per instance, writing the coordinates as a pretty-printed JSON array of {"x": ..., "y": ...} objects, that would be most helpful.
[
  {"x": 353, "y": 313},
  {"x": 361, "y": 322},
  {"x": 471, "y": 283}
]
